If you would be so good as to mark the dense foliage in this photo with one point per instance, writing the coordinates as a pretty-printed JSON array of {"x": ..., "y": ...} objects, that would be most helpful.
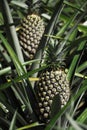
[{"x": 65, "y": 22}]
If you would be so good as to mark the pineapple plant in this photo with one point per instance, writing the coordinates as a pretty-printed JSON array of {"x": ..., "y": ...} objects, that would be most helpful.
[
  {"x": 30, "y": 34},
  {"x": 52, "y": 82}
]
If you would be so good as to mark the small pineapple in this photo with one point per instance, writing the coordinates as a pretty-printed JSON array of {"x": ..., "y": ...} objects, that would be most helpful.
[
  {"x": 52, "y": 82},
  {"x": 30, "y": 34}
]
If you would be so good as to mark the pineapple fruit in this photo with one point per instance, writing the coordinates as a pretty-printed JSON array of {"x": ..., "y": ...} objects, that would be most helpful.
[
  {"x": 52, "y": 81},
  {"x": 30, "y": 34}
]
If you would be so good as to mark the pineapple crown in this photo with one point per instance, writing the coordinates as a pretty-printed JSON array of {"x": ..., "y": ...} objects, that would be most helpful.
[
  {"x": 54, "y": 56},
  {"x": 34, "y": 6}
]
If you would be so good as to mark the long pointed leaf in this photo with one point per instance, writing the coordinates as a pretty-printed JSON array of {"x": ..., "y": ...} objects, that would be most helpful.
[
  {"x": 16, "y": 62},
  {"x": 75, "y": 60},
  {"x": 10, "y": 30},
  {"x": 12, "y": 125}
]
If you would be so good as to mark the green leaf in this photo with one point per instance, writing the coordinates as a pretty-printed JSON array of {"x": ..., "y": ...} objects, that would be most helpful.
[
  {"x": 56, "y": 105},
  {"x": 81, "y": 67},
  {"x": 10, "y": 28},
  {"x": 16, "y": 62},
  {"x": 19, "y": 4},
  {"x": 82, "y": 28},
  {"x": 19, "y": 78},
  {"x": 19, "y": 68},
  {"x": 65, "y": 26},
  {"x": 75, "y": 60},
  {"x": 5, "y": 54},
  {"x": 8, "y": 69},
  {"x": 12, "y": 125},
  {"x": 5, "y": 122},
  {"x": 52, "y": 22},
  {"x": 83, "y": 117},
  {"x": 12, "y": 111},
  {"x": 74, "y": 124},
  {"x": 80, "y": 120},
  {"x": 73, "y": 6},
  {"x": 29, "y": 126}
]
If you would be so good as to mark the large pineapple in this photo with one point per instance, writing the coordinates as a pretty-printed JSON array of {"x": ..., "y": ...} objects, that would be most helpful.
[
  {"x": 30, "y": 34},
  {"x": 52, "y": 81}
]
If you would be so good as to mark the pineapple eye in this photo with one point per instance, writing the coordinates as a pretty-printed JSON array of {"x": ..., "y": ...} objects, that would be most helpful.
[
  {"x": 42, "y": 110},
  {"x": 45, "y": 115}
]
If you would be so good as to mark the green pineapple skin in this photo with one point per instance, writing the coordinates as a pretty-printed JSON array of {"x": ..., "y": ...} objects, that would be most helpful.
[
  {"x": 30, "y": 34},
  {"x": 52, "y": 82}
]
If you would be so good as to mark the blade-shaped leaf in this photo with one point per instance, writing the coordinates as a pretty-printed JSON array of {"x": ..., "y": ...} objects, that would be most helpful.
[
  {"x": 73, "y": 123},
  {"x": 83, "y": 117},
  {"x": 56, "y": 105},
  {"x": 75, "y": 60},
  {"x": 12, "y": 125},
  {"x": 10, "y": 30},
  {"x": 16, "y": 62},
  {"x": 29, "y": 126},
  {"x": 20, "y": 4},
  {"x": 19, "y": 78}
]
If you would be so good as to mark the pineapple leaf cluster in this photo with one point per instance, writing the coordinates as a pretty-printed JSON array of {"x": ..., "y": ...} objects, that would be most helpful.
[{"x": 54, "y": 56}]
